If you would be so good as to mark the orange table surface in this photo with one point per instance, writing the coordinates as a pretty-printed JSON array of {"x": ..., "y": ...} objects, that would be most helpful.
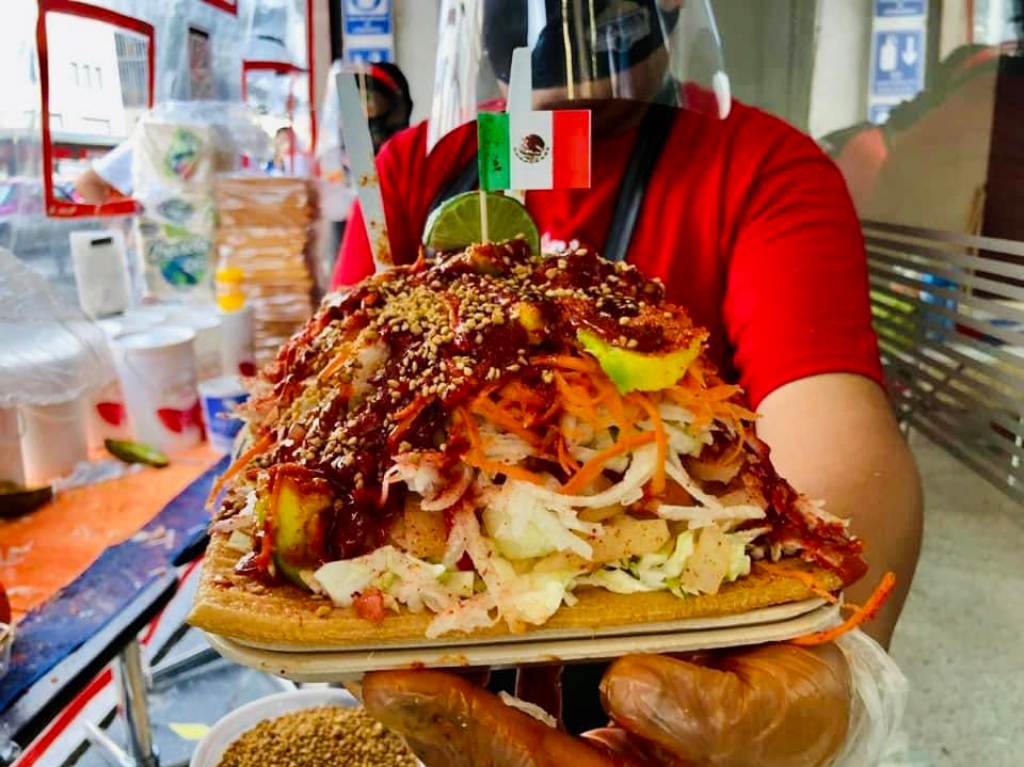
[{"x": 46, "y": 550}]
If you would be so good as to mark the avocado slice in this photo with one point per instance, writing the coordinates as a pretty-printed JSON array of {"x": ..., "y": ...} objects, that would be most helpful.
[
  {"x": 298, "y": 530},
  {"x": 135, "y": 452},
  {"x": 637, "y": 371},
  {"x": 16, "y": 500}
]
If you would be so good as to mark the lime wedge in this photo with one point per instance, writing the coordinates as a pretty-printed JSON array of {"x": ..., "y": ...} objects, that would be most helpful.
[
  {"x": 135, "y": 452},
  {"x": 455, "y": 224}
]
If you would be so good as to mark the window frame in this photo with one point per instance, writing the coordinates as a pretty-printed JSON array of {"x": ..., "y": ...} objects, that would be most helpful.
[
  {"x": 228, "y": 6},
  {"x": 61, "y": 208}
]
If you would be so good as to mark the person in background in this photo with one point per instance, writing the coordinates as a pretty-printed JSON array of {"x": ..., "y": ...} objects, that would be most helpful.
[
  {"x": 388, "y": 102},
  {"x": 751, "y": 227},
  {"x": 289, "y": 159},
  {"x": 388, "y": 110},
  {"x": 109, "y": 178}
]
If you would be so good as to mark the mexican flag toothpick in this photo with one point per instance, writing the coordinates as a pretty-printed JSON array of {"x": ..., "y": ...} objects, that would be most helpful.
[
  {"x": 534, "y": 150},
  {"x": 527, "y": 149}
]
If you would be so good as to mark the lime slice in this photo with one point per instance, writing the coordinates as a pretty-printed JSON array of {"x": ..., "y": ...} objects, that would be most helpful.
[
  {"x": 136, "y": 452},
  {"x": 455, "y": 224}
]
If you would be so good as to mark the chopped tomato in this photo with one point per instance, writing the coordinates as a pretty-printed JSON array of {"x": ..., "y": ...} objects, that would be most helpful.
[{"x": 370, "y": 605}]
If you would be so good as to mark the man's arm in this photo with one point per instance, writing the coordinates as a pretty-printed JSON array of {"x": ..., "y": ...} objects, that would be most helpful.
[{"x": 834, "y": 437}]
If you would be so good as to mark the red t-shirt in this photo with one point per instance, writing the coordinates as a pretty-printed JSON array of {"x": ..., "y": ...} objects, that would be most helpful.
[{"x": 746, "y": 221}]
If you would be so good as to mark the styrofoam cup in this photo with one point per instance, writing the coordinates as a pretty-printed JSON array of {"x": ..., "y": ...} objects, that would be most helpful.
[
  {"x": 237, "y": 354},
  {"x": 220, "y": 397},
  {"x": 157, "y": 369},
  {"x": 54, "y": 439},
  {"x": 107, "y": 415},
  {"x": 12, "y": 466},
  {"x": 205, "y": 322}
]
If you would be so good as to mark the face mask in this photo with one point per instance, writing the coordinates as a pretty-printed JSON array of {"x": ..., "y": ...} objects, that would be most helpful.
[{"x": 631, "y": 35}]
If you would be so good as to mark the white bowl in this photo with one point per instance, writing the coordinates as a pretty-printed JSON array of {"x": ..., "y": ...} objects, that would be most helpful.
[{"x": 212, "y": 747}]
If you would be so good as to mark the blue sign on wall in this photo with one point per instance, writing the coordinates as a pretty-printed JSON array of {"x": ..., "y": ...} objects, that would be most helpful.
[
  {"x": 888, "y": 9},
  {"x": 367, "y": 17},
  {"x": 879, "y": 113},
  {"x": 898, "y": 66},
  {"x": 368, "y": 55}
]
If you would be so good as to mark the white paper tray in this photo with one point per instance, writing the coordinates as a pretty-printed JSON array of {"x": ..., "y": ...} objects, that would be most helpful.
[{"x": 518, "y": 650}]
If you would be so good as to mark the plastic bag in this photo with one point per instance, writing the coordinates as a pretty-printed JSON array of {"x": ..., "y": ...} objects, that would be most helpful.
[
  {"x": 880, "y": 698},
  {"x": 49, "y": 351},
  {"x": 178, "y": 150}
]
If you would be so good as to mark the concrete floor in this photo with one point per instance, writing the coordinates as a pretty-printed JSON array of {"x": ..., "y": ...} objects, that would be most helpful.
[{"x": 961, "y": 638}]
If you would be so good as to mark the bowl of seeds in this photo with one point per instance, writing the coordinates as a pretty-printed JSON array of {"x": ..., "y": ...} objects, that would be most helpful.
[{"x": 305, "y": 728}]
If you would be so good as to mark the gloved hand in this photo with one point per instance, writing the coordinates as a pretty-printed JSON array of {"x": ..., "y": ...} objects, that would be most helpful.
[{"x": 772, "y": 706}]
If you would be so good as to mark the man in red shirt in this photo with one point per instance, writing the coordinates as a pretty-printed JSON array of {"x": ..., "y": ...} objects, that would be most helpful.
[{"x": 747, "y": 223}]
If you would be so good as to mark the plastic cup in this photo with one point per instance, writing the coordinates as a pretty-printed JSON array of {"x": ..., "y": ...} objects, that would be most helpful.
[
  {"x": 220, "y": 397},
  {"x": 157, "y": 370},
  {"x": 236, "y": 342},
  {"x": 54, "y": 440},
  {"x": 12, "y": 467}
]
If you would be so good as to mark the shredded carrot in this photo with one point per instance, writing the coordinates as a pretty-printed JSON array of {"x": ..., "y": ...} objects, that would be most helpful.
[
  {"x": 569, "y": 464},
  {"x": 335, "y": 364},
  {"x": 406, "y": 417},
  {"x": 580, "y": 364},
  {"x": 240, "y": 463},
  {"x": 592, "y": 468},
  {"x": 516, "y": 392},
  {"x": 500, "y": 417},
  {"x": 807, "y": 579},
  {"x": 476, "y": 459},
  {"x": 472, "y": 435},
  {"x": 861, "y": 615},
  {"x": 575, "y": 395},
  {"x": 660, "y": 439}
]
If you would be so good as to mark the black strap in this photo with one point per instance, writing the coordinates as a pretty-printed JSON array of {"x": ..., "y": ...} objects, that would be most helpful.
[
  {"x": 467, "y": 180},
  {"x": 650, "y": 140}
]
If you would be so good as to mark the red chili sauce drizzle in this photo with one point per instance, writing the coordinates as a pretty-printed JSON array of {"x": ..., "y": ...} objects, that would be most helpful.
[{"x": 452, "y": 328}]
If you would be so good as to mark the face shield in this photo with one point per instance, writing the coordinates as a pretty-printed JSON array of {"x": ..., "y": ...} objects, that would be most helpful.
[{"x": 583, "y": 53}]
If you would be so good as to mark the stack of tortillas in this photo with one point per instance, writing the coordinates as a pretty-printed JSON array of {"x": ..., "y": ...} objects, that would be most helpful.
[{"x": 265, "y": 229}]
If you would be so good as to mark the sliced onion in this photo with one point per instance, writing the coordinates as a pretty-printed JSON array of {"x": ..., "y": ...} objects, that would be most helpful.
[
  {"x": 698, "y": 516},
  {"x": 451, "y": 495}
]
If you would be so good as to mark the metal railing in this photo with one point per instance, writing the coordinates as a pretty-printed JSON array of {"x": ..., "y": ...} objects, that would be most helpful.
[{"x": 949, "y": 312}]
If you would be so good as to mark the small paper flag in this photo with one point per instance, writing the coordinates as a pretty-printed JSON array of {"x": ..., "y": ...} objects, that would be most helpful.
[{"x": 534, "y": 150}]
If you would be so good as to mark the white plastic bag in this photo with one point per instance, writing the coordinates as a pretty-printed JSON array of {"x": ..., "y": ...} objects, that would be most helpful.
[
  {"x": 880, "y": 698},
  {"x": 49, "y": 352}
]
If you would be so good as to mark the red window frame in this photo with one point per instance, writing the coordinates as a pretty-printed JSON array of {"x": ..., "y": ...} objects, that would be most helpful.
[
  {"x": 59, "y": 208},
  {"x": 279, "y": 68},
  {"x": 228, "y": 6}
]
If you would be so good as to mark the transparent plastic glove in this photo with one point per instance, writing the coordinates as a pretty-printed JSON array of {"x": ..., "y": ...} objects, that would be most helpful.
[
  {"x": 450, "y": 722},
  {"x": 771, "y": 706}
]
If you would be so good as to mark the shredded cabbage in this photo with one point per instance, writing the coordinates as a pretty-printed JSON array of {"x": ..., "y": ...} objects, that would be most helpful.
[
  {"x": 409, "y": 580},
  {"x": 523, "y": 527},
  {"x": 677, "y": 567},
  {"x": 628, "y": 490}
]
